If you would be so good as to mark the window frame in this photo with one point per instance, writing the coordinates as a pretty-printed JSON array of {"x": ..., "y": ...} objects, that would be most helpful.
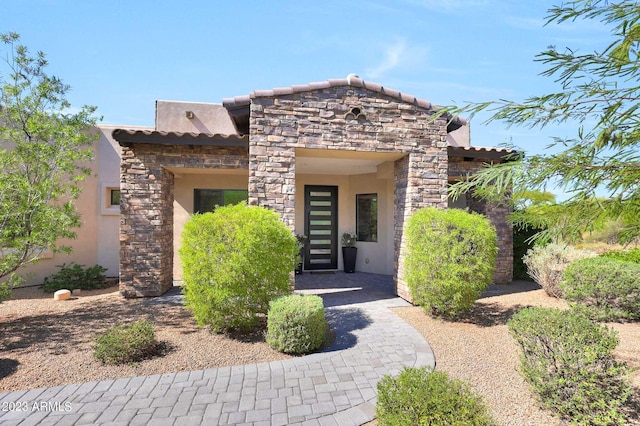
[
  {"x": 373, "y": 236},
  {"x": 106, "y": 208},
  {"x": 197, "y": 197}
]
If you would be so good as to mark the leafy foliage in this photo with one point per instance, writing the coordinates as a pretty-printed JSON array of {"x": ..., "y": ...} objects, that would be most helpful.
[
  {"x": 348, "y": 239},
  {"x": 546, "y": 264},
  {"x": 419, "y": 396},
  {"x": 296, "y": 323},
  {"x": 568, "y": 360},
  {"x": 606, "y": 289},
  {"x": 526, "y": 204},
  {"x": 450, "y": 259},
  {"x": 632, "y": 255},
  {"x": 74, "y": 277},
  {"x": 522, "y": 243},
  {"x": 235, "y": 261},
  {"x": 126, "y": 343},
  {"x": 42, "y": 151},
  {"x": 598, "y": 92}
]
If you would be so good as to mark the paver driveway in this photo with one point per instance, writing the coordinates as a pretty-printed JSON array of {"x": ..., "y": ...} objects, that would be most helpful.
[{"x": 334, "y": 387}]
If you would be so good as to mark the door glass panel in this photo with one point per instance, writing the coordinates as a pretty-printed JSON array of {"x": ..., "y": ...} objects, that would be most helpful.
[
  {"x": 319, "y": 194},
  {"x": 316, "y": 242},
  {"x": 320, "y": 203},
  {"x": 320, "y": 251}
]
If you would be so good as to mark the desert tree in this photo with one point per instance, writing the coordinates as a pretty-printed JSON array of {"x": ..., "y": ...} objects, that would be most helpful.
[
  {"x": 598, "y": 92},
  {"x": 45, "y": 147}
]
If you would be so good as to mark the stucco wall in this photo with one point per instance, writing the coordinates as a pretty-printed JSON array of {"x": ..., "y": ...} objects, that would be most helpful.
[
  {"x": 108, "y": 167},
  {"x": 185, "y": 182}
]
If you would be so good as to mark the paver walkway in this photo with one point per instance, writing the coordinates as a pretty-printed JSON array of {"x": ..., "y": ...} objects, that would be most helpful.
[{"x": 334, "y": 387}]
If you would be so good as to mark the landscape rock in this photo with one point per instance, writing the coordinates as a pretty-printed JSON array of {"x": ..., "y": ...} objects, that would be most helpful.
[{"x": 62, "y": 295}]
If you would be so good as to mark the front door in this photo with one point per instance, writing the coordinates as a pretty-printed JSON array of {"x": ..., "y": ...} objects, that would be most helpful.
[{"x": 321, "y": 227}]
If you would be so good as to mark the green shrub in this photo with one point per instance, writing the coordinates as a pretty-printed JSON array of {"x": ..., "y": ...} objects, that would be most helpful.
[
  {"x": 522, "y": 244},
  {"x": 568, "y": 360},
  {"x": 450, "y": 259},
  {"x": 74, "y": 277},
  {"x": 126, "y": 343},
  {"x": 296, "y": 324},
  {"x": 6, "y": 287},
  {"x": 5, "y": 292},
  {"x": 546, "y": 264},
  {"x": 235, "y": 261},
  {"x": 607, "y": 289},
  {"x": 632, "y": 255},
  {"x": 609, "y": 232},
  {"x": 419, "y": 396}
]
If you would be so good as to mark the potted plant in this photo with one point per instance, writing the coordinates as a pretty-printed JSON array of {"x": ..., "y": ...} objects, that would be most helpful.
[
  {"x": 349, "y": 251},
  {"x": 302, "y": 239}
]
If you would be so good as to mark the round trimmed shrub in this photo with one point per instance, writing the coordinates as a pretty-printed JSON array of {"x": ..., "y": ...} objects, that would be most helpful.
[
  {"x": 296, "y": 323},
  {"x": 546, "y": 265},
  {"x": 126, "y": 343},
  {"x": 568, "y": 360},
  {"x": 235, "y": 261},
  {"x": 450, "y": 259},
  {"x": 419, "y": 396},
  {"x": 606, "y": 289}
]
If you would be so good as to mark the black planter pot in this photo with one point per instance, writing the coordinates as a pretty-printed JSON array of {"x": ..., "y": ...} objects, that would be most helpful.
[
  {"x": 349, "y": 255},
  {"x": 299, "y": 265}
]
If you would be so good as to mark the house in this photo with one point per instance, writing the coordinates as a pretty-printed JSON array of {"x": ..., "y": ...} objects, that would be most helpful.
[{"x": 329, "y": 157}]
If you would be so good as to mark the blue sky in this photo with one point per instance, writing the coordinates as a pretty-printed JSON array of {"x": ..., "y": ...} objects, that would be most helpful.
[{"x": 122, "y": 55}]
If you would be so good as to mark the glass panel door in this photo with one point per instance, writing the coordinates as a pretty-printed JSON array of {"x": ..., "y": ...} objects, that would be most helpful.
[{"x": 321, "y": 227}]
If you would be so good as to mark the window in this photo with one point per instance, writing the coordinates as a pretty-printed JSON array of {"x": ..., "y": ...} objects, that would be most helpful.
[
  {"x": 367, "y": 217},
  {"x": 110, "y": 198},
  {"x": 114, "y": 197},
  {"x": 206, "y": 200}
]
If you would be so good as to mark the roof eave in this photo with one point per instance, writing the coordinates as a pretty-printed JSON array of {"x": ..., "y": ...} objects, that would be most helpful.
[{"x": 127, "y": 137}]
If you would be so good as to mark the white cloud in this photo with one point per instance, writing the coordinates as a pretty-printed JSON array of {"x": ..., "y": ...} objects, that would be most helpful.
[{"x": 397, "y": 54}]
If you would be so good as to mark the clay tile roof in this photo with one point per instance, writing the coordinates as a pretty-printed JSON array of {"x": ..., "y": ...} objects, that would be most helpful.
[
  {"x": 186, "y": 138},
  {"x": 483, "y": 152},
  {"x": 351, "y": 80}
]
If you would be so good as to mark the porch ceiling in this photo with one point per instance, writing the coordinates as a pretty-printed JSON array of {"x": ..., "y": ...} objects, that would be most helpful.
[{"x": 339, "y": 162}]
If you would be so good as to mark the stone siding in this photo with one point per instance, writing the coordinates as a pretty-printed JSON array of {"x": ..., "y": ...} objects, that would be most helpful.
[
  {"x": 498, "y": 214},
  {"x": 146, "y": 209},
  {"x": 350, "y": 119}
]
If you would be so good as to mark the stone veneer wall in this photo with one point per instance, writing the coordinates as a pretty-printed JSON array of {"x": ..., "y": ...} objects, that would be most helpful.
[
  {"x": 146, "y": 209},
  {"x": 321, "y": 119},
  {"x": 497, "y": 213}
]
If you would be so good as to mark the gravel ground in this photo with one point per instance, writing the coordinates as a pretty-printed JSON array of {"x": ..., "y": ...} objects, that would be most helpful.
[
  {"x": 48, "y": 343},
  {"x": 480, "y": 351}
]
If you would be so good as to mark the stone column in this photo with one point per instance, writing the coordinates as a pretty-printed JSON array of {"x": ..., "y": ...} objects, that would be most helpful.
[
  {"x": 498, "y": 214},
  {"x": 420, "y": 180},
  {"x": 272, "y": 177},
  {"x": 146, "y": 226}
]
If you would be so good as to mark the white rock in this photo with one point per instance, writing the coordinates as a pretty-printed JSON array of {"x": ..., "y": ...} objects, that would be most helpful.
[{"x": 62, "y": 295}]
